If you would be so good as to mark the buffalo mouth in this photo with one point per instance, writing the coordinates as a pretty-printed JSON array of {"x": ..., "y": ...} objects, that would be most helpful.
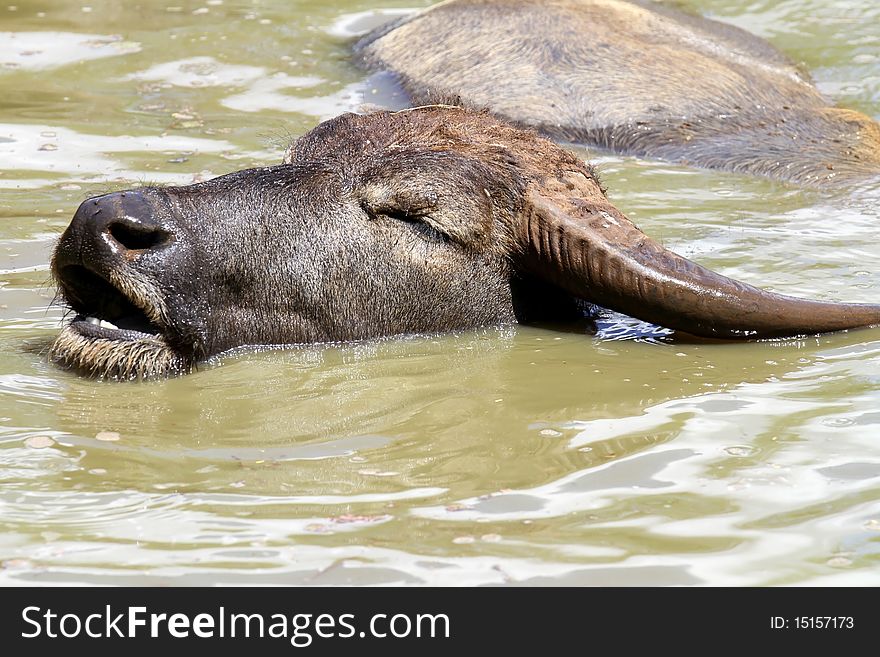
[{"x": 117, "y": 330}]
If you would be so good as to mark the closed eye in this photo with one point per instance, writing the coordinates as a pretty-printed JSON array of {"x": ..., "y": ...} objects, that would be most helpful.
[{"x": 416, "y": 222}]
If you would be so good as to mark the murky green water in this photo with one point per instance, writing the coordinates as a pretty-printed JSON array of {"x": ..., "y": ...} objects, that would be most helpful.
[{"x": 517, "y": 455}]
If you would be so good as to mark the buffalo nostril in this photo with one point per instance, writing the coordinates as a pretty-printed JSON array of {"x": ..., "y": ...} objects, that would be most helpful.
[
  {"x": 118, "y": 225},
  {"x": 136, "y": 236},
  {"x": 126, "y": 222}
]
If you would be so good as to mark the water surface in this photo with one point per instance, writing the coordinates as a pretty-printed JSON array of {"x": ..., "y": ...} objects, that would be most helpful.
[{"x": 511, "y": 455}]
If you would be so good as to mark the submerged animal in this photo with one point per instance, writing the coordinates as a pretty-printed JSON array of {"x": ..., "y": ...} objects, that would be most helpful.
[
  {"x": 419, "y": 221},
  {"x": 634, "y": 77}
]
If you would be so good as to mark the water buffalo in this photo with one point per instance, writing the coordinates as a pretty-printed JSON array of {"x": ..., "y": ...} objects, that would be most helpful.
[
  {"x": 424, "y": 220},
  {"x": 634, "y": 77}
]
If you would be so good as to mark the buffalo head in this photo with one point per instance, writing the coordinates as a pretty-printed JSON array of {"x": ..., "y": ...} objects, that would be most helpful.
[{"x": 425, "y": 220}]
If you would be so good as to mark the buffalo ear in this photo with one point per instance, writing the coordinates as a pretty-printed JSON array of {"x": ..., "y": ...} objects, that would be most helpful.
[{"x": 588, "y": 247}]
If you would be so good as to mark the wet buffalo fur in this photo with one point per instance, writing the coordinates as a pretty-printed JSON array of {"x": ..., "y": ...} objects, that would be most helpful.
[
  {"x": 374, "y": 225},
  {"x": 419, "y": 221},
  {"x": 438, "y": 218},
  {"x": 632, "y": 77}
]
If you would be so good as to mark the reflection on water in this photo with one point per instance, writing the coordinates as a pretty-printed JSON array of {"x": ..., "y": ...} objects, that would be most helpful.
[
  {"x": 33, "y": 51},
  {"x": 530, "y": 455},
  {"x": 56, "y": 154}
]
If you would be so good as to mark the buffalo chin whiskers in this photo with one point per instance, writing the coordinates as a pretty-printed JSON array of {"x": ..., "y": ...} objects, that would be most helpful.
[{"x": 116, "y": 359}]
